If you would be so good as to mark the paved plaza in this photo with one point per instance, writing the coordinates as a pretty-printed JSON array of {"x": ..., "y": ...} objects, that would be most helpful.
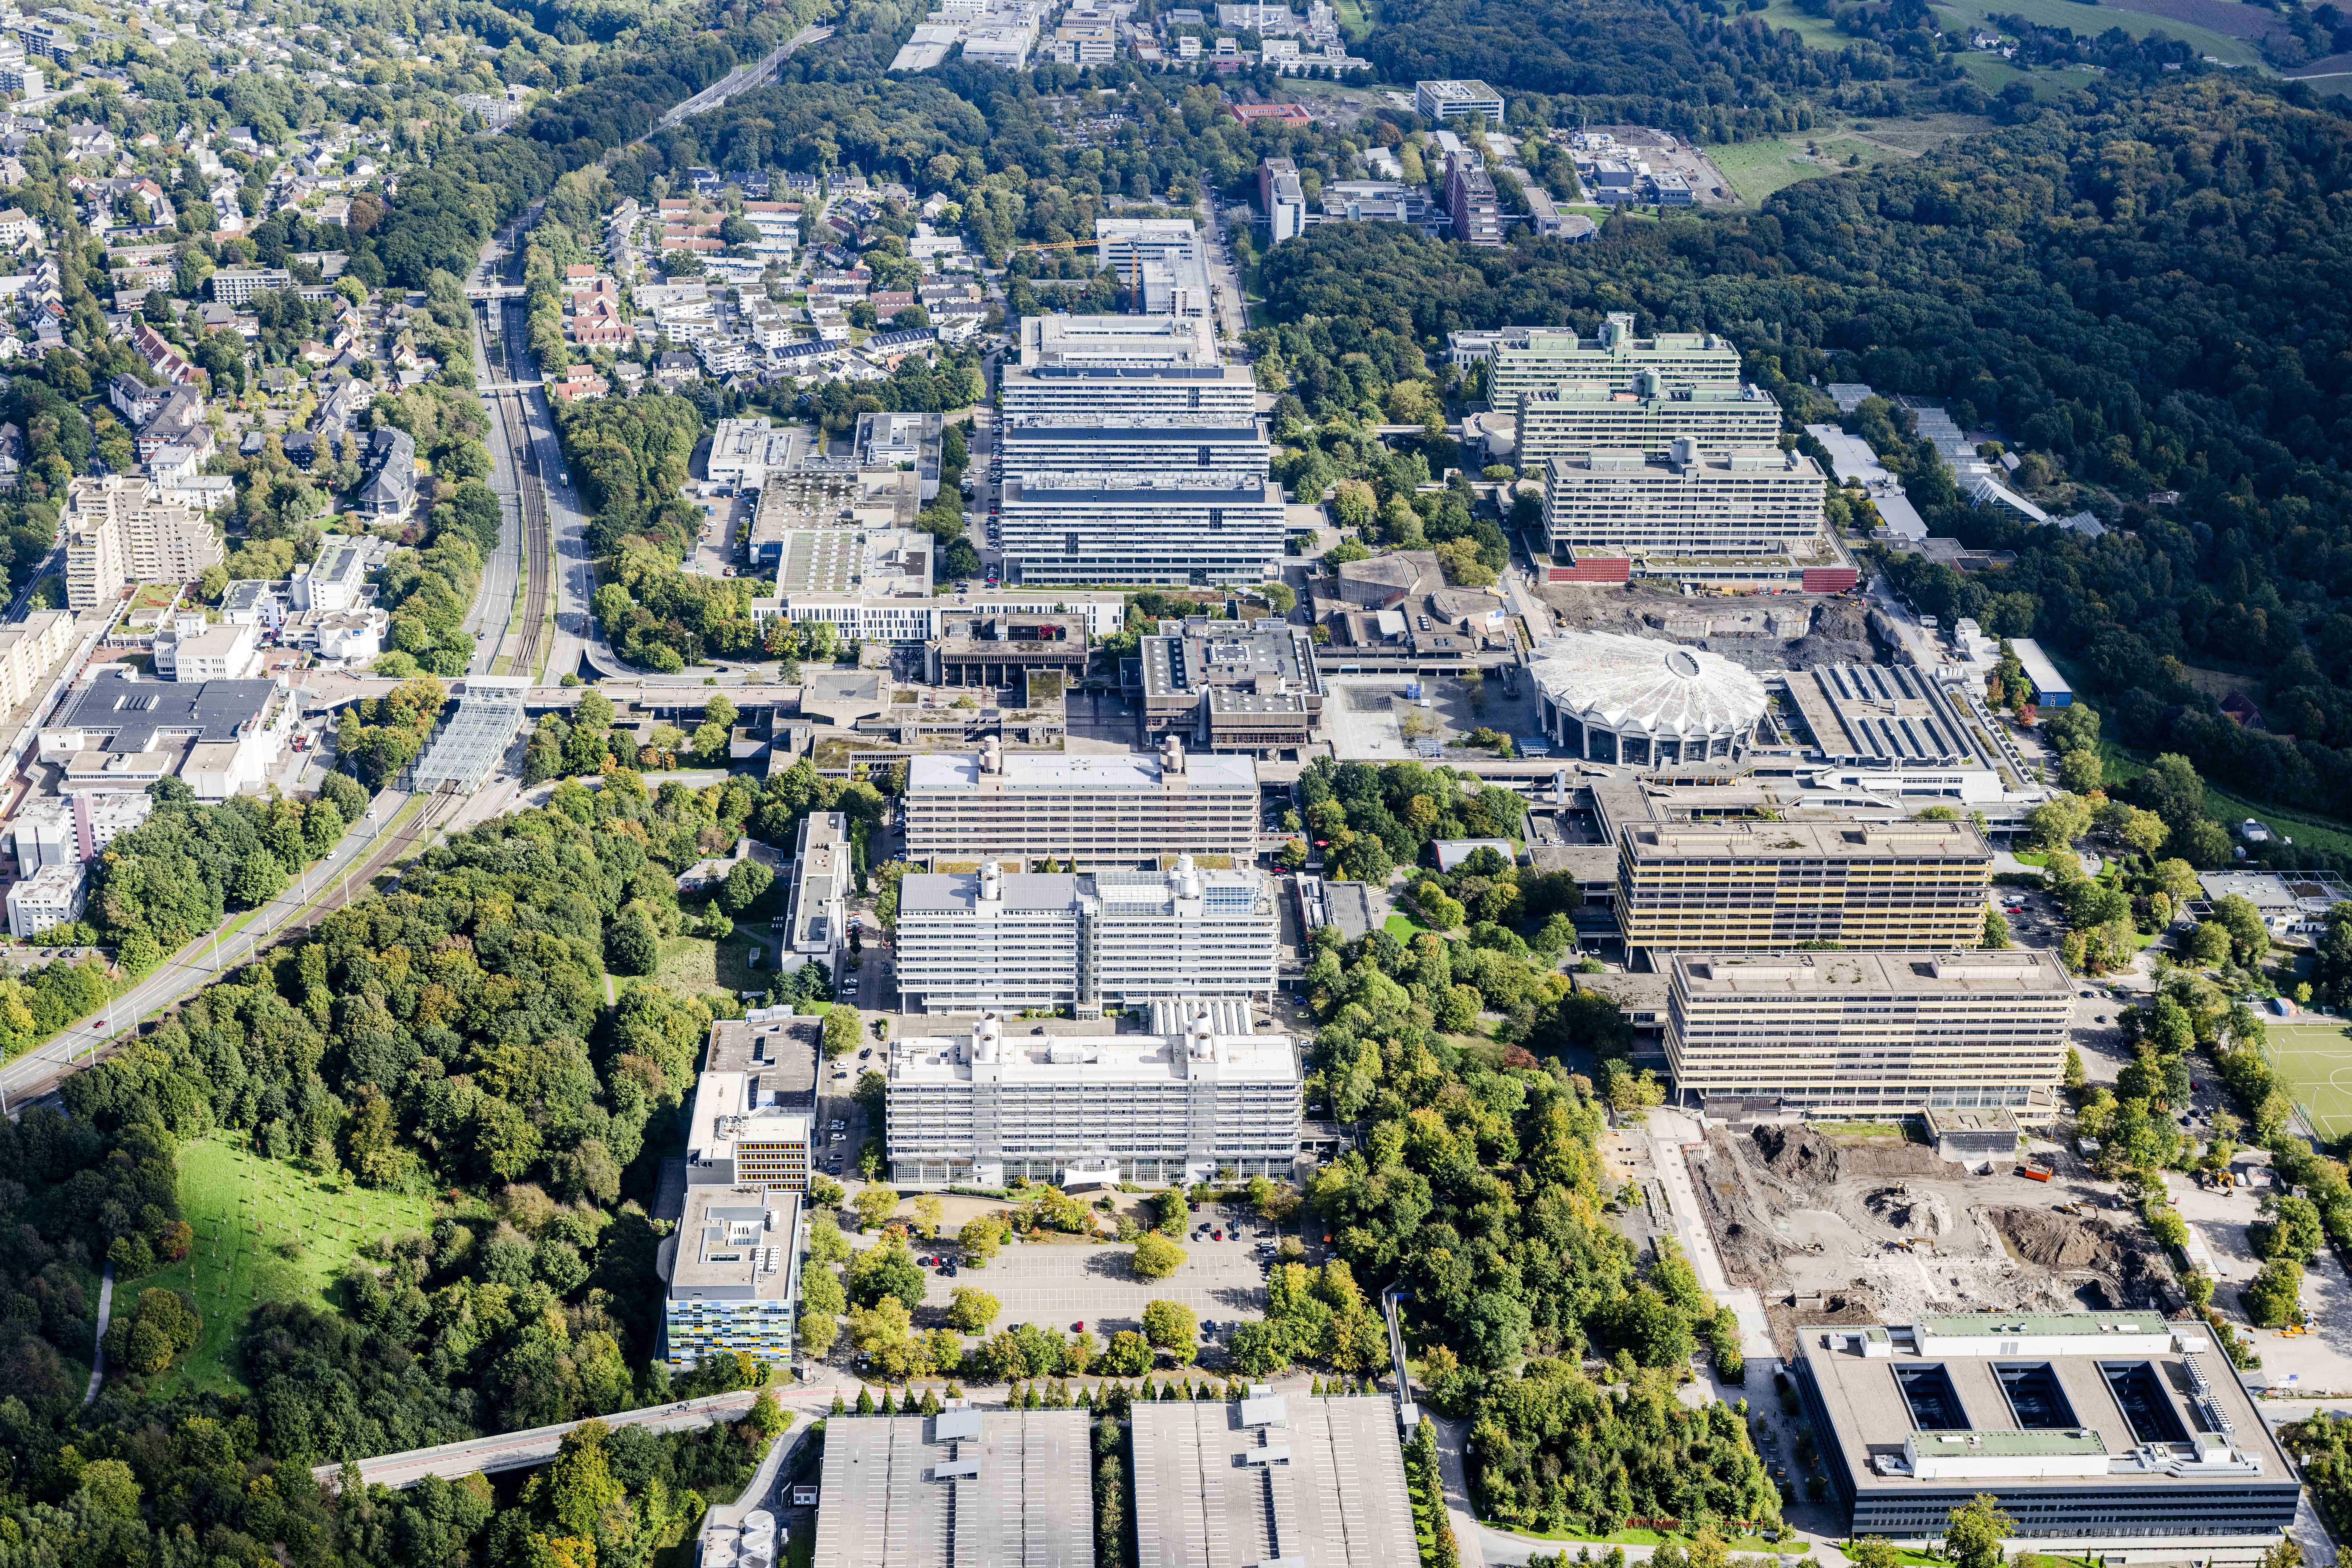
[{"x": 1055, "y": 1284}]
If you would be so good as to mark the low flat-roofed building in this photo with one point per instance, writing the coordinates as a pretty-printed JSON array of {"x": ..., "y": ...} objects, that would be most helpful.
[
  {"x": 1232, "y": 686},
  {"x": 1009, "y": 1487},
  {"x": 987, "y": 940},
  {"x": 979, "y": 1109},
  {"x": 2118, "y": 1436},
  {"x": 1730, "y": 887},
  {"x": 119, "y": 731},
  {"x": 2291, "y": 904},
  {"x": 745, "y": 452},
  {"x": 1000, "y": 651},
  {"x": 734, "y": 1270},
  {"x": 1120, "y": 810},
  {"x": 1305, "y": 1481},
  {"x": 891, "y": 440},
  {"x": 1880, "y": 1034},
  {"x": 1880, "y": 715},
  {"x": 851, "y": 501},
  {"x": 2051, "y": 688},
  {"x": 753, "y": 1117}
]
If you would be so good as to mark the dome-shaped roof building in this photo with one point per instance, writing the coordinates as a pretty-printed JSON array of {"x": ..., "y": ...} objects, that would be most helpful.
[{"x": 1610, "y": 697}]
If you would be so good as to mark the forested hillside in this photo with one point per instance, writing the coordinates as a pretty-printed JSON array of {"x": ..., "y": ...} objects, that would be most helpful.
[{"x": 2147, "y": 290}]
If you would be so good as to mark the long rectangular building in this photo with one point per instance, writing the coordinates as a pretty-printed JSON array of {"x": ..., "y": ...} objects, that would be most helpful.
[
  {"x": 1649, "y": 418},
  {"x": 1869, "y": 1033},
  {"x": 971, "y": 943},
  {"x": 1743, "y": 501},
  {"x": 1132, "y": 443},
  {"x": 753, "y": 1117},
  {"x": 1000, "y": 1489},
  {"x": 2115, "y": 1435},
  {"x": 1079, "y": 369},
  {"x": 1272, "y": 1479},
  {"x": 1738, "y": 887},
  {"x": 1196, "y": 526},
  {"x": 1532, "y": 359},
  {"x": 1121, "y": 811},
  {"x": 981, "y": 1109}
]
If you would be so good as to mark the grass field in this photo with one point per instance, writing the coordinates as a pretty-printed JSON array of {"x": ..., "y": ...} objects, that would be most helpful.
[
  {"x": 265, "y": 1231},
  {"x": 696, "y": 965},
  {"x": 2091, "y": 20},
  {"x": 1757, "y": 169},
  {"x": 2312, "y": 1055}
]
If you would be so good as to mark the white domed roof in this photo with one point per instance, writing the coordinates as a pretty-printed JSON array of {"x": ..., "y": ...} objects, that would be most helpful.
[{"x": 1639, "y": 686}]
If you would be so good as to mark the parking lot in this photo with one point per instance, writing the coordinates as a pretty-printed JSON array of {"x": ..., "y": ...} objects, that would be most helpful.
[{"x": 1055, "y": 1284}]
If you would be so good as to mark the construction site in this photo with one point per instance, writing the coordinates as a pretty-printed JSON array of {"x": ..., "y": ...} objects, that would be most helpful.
[{"x": 1832, "y": 1229}]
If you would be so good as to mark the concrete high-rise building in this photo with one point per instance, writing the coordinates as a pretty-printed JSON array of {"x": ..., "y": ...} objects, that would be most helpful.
[
  {"x": 1470, "y": 198},
  {"x": 1559, "y": 421},
  {"x": 1531, "y": 359},
  {"x": 1748, "y": 500},
  {"x": 119, "y": 531},
  {"x": 1132, "y": 444},
  {"x": 992, "y": 941},
  {"x": 1184, "y": 527},
  {"x": 1079, "y": 369},
  {"x": 1869, "y": 1033},
  {"x": 753, "y": 1120},
  {"x": 1115, "y": 811},
  {"x": 1282, "y": 198},
  {"x": 980, "y": 1108},
  {"x": 1740, "y": 887},
  {"x": 735, "y": 1276}
]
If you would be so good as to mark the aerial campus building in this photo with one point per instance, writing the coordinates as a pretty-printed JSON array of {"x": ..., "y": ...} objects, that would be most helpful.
[
  {"x": 1198, "y": 1095},
  {"x": 1649, "y": 418},
  {"x": 734, "y": 1272},
  {"x": 1533, "y": 359},
  {"x": 1092, "y": 811},
  {"x": 1271, "y": 1479},
  {"x": 997, "y": 1488},
  {"x": 1742, "y": 887},
  {"x": 2115, "y": 1435},
  {"x": 1182, "y": 527},
  {"x": 1740, "y": 500},
  {"x": 1864, "y": 1034},
  {"x": 1610, "y": 697},
  {"x": 753, "y": 1120},
  {"x": 970, "y": 943},
  {"x": 1080, "y": 367}
]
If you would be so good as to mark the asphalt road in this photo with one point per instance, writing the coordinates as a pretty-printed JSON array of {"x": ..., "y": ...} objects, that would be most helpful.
[
  {"x": 40, "y": 1070},
  {"x": 514, "y": 1450}
]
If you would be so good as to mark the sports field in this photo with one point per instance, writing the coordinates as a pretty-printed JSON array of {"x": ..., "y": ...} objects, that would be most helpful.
[{"x": 2313, "y": 1056}]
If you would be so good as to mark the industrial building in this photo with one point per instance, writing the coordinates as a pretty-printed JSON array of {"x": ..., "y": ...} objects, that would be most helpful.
[
  {"x": 1122, "y": 811},
  {"x": 1232, "y": 686},
  {"x": 734, "y": 1271},
  {"x": 1740, "y": 501},
  {"x": 971, "y": 942},
  {"x": 2112, "y": 1436},
  {"x": 1742, "y": 887},
  {"x": 1556, "y": 422},
  {"x": 1608, "y": 696},
  {"x": 981, "y": 1108},
  {"x": 987, "y": 1487},
  {"x": 754, "y": 1110},
  {"x": 1533, "y": 359},
  {"x": 1272, "y": 1477},
  {"x": 1868, "y": 1034},
  {"x": 1177, "y": 527}
]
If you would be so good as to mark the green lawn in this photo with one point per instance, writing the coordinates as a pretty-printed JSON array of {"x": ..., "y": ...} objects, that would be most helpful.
[
  {"x": 1402, "y": 927},
  {"x": 1757, "y": 169},
  {"x": 265, "y": 1231},
  {"x": 1992, "y": 73},
  {"x": 2313, "y": 1056},
  {"x": 2091, "y": 20},
  {"x": 696, "y": 965}
]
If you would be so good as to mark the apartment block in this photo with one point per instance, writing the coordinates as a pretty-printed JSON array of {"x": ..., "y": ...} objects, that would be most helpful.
[
  {"x": 981, "y": 1108},
  {"x": 1530, "y": 359},
  {"x": 1470, "y": 198},
  {"x": 1743, "y": 501},
  {"x": 1869, "y": 1033},
  {"x": 1098, "y": 811},
  {"x": 1735, "y": 886},
  {"x": 118, "y": 532},
  {"x": 735, "y": 1275},
  {"x": 51, "y": 897},
  {"x": 976, "y": 943},
  {"x": 1181, "y": 527},
  {"x": 1648, "y": 418},
  {"x": 29, "y": 650}
]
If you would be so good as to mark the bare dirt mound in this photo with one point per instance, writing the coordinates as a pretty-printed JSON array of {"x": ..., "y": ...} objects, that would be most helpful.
[
  {"x": 1802, "y": 1157},
  {"x": 2138, "y": 1276},
  {"x": 1914, "y": 1213}
]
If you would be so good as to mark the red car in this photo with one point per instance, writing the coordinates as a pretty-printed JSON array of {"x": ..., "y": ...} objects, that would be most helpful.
[{"x": 1080, "y": 1327}]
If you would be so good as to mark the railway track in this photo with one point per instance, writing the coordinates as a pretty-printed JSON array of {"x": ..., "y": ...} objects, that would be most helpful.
[{"x": 529, "y": 494}]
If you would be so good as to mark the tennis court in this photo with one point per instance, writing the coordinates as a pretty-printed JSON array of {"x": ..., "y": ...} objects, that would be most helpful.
[{"x": 2313, "y": 1056}]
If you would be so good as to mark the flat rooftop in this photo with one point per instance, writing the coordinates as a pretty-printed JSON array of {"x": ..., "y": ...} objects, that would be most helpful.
[
  {"x": 1880, "y": 713},
  {"x": 1265, "y": 659},
  {"x": 1290, "y": 1479},
  {"x": 1849, "y": 974},
  {"x": 1005, "y": 1488},
  {"x": 780, "y": 1052},
  {"x": 1117, "y": 342},
  {"x": 131, "y": 713},
  {"x": 1825, "y": 839},
  {"x": 1114, "y": 893},
  {"x": 1136, "y": 773},
  {"x": 1045, "y": 1061},
  {"x": 736, "y": 1243}
]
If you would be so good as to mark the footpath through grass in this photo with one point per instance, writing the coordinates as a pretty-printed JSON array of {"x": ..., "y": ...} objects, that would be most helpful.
[{"x": 265, "y": 1231}]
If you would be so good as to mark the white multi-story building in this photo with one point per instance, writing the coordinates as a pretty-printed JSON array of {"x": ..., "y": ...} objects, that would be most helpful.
[
  {"x": 1181, "y": 1106},
  {"x": 29, "y": 650},
  {"x": 1163, "y": 259},
  {"x": 49, "y": 897},
  {"x": 1444, "y": 100},
  {"x": 973, "y": 943},
  {"x": 1870, "y": 1033},
  {"x": 119, "y": 531},
  {"x": 337, "y": 579},
  {"x": 736, "y": 1275},
  {"x": 1132, "y": 443},
  {"x": 1746, "y": 501},
  {"x": 1528, "y": 359},
  {"x": 753, "y": 1118},
  {"x": 1192, "y": 526},
  {"x": 56, "y": 830},
  {"x": 1117, "y": 811},
  {"x": 1081, "y": 369},
  {"x": 1650, "y": 418}
]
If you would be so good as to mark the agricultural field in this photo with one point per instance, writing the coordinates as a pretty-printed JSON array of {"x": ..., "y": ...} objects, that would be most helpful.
[{"x": 265, "y": 1231}]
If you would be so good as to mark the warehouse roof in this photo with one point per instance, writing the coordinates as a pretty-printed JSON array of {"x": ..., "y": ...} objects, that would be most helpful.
[
  {"x": 898, "y": 1489},
  {"x": 1311, "y": 1483}
]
